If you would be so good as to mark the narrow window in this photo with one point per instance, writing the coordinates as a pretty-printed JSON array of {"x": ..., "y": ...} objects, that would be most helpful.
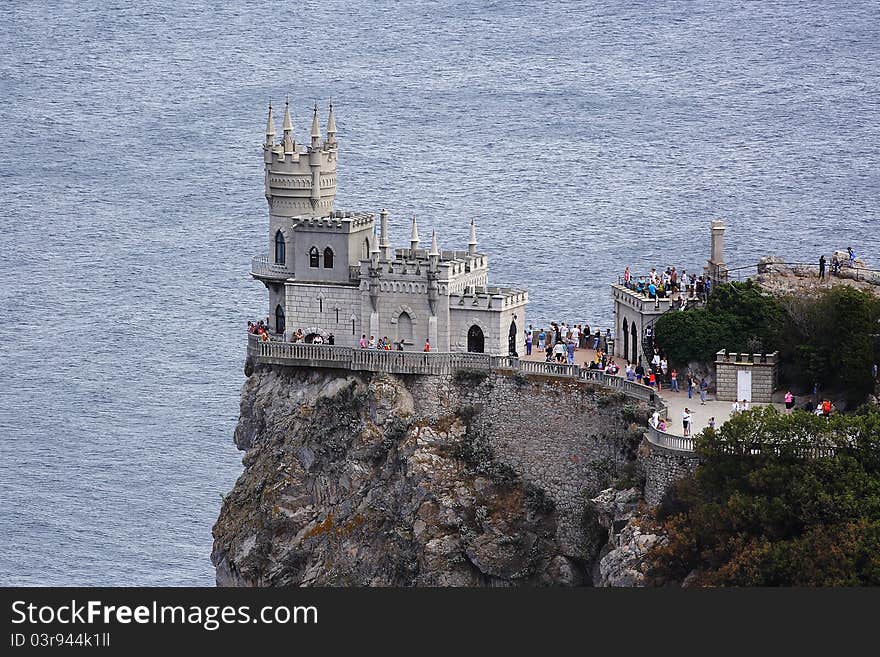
[
  {"x": 314, "y": 257},
  {"x": 279, "y": 319},
  {"x": 337, "y": 315},
  {"x": 328, "y": 258},
  {"x": 279, "y": 248},
  {"x": 352, "y": 327},
  {"x": 320, "y": 305}
]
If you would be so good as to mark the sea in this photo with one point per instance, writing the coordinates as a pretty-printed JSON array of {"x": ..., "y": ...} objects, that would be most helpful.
[{"x": 581, "y": 136}]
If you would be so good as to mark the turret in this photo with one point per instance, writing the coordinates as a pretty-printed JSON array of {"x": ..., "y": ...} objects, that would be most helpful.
[
  {"x": 316, "y": 129},
  {"x": 414, "y": 239},
  {"x": 299, "y": 182},
  {"x": 287, "y": 126},
  {"x": 331, "y": 127},
  {"x": 434, "y": 253},
  {"x": 374, "y": 251},
  {"x": 384, "y": 246},
  {"x": 472, "y": 242},
  {"x": 270, "y": 129}
]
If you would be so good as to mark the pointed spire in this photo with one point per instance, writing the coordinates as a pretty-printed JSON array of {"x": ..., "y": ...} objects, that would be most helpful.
[
  {"x": 414, "y": 238},
  {"x": 287, "y": 126},
  {"x": 316, "y": 129},
  {"x": 435, "y": 249},
  {"x": 331, "y": 126},
  {"x": 270, "y": 128},
  {"x": 472, "y": 242}
]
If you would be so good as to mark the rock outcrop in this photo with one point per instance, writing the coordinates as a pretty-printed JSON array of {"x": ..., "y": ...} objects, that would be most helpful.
[
  {"x": 382, "y": 480},
  {"x": 622, "y": 561}
]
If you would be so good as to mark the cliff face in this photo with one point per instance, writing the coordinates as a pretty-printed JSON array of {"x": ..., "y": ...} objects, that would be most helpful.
[{"x": 369, "y": 479}]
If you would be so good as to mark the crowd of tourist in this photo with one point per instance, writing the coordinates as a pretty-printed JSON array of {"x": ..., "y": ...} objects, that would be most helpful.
[
  {"x": 259, "y": 329},
  {"x": 669, "y": 283}
]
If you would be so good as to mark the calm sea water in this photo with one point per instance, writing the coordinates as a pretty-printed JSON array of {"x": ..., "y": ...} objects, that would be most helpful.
[{"x": 582, "y": 136}]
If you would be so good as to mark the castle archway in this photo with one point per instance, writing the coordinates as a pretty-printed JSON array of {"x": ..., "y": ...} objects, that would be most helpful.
[
  {"x": 476, "y": 341},
  {"x": 511, "y": 339},
  {"x": 626, "y": 338}
]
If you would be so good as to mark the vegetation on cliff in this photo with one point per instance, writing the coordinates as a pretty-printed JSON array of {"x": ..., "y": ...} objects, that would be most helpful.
[
  {"x": 788, "y": 500},
  {"x": 826, "y": 338}
]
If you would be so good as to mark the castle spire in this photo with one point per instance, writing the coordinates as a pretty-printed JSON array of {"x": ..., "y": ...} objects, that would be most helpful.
[
  {"x": 289, "y": 144},
  {"x": 331, "y": 126},
  {"x": 270, "y": 129},
  {"x": 435, "y": 249},
  {"x": 316, "y": 129},
  {"x": 383, "y": 235},
  {"x": 414, "y": 238},
  {"x": 472, "y": 242}
]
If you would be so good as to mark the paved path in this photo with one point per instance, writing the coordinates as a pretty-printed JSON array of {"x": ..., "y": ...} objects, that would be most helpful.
[{"x": 676, "y": 401}]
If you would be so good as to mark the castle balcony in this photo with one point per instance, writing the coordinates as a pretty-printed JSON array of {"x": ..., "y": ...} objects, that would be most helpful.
[{"x": 262, "y": 267}]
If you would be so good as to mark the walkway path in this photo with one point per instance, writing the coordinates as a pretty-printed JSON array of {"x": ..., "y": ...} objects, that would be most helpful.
[{"x": 675, "y": 401}]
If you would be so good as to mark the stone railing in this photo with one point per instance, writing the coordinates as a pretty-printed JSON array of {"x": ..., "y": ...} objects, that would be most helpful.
[
  {"x": 669, "y": 440},
  {"x": 262, "y": 266},
  {"x": 414, "y": 362}
]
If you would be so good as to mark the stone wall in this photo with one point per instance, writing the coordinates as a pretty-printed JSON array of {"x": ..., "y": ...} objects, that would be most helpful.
[
  {"x": 568, "y": 439},
  {"x": 663, "y": 467}
]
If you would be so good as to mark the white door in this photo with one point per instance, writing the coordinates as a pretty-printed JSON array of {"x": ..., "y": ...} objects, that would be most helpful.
[{"x": 744, "y": 385}]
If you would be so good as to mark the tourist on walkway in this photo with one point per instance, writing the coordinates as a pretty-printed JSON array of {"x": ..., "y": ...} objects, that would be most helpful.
[
  {"x": 686, "y": 421},
  {"x": 528, "y": 343},
  {"x": 570, "y": 352},
  {"x": 363, "y": 341},
  {"x": 640, "y": 371},
  {"x": 835, "y": 264},
  {"x": 852, "y": 256},
  {"x": 704, "y": 390},
  {"x": 427, "y": 345},
  {"x": 673, "y": 381},
  {"x": 712, "y": 423},
  {"x": 789, "y": 401},
  {"x": 559, "y": 352},
  {"x": 542, "y": 340},
  {"x": 821, "y": 266},
  {"x": 655, "y": 419},
  {"x": 690, "y": 385}
]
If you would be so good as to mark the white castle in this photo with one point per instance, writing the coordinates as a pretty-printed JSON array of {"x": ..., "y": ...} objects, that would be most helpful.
[{"x": 328, "y": 272}]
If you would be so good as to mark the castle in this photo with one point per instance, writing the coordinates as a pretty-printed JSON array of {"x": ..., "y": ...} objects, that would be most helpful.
[{"x": 329, "y": 273}]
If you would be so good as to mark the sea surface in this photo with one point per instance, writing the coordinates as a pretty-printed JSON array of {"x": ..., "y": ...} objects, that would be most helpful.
[{"x": 581, "y": 136}]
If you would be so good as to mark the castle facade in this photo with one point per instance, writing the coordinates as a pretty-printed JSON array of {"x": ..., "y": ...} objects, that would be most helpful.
[{"x": 328, "y": 272}]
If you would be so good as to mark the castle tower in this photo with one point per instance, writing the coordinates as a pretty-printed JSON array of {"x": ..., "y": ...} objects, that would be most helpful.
[{"x": 300, "y": 181}]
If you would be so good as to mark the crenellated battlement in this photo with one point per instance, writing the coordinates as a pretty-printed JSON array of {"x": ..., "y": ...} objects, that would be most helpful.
[{"x": 300, "y": 179}]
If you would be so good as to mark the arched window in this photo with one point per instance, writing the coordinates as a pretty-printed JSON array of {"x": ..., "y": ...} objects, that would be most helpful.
[
  {"x": 634, "y": 342},
  {"x": 279, "y": 248},
  {"x": 279, "y": 319},
  {"x": 365, "y": 250},
  {"x": 404, "y": 328},
  {"x": 328, "y": 258},
  {"x": 626, "y": 339},
  {"x": 314, "y": 257}
]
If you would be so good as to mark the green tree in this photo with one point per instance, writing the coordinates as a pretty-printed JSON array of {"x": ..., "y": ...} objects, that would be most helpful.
[{"x": 778, "y": 499}]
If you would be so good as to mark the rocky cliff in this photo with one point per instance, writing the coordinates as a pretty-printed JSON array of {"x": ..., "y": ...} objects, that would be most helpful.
[{"x": 467, "y": 480}]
